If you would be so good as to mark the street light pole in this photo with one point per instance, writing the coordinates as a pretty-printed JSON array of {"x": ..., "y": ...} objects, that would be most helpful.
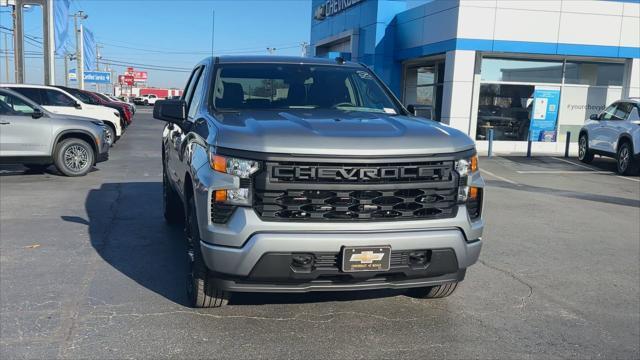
[{"x": 79, "y": 47}]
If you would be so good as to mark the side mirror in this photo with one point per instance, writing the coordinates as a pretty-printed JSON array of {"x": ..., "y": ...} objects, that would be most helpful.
[
  {"x": 78, "y": 105},
  {"x": 594, "y": 117},
  {"x": 425, "y": 111},
  {"x": 37, "y": 113},
  {"x": 173, "y": 111}
]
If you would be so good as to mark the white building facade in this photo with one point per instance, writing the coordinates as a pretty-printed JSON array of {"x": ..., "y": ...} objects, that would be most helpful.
[{"x": 515, "y": 70}]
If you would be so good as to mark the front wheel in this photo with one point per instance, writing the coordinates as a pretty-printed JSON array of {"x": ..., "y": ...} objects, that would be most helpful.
[
  {"x": 200, "y": 287},
  {"x": 584, "y": 154},
  {"x": 433, "y": 292},
  {"x": 109, "y": 136},
  {"x": 74, "y": 157},
  {"x": 624, "y": 159}
]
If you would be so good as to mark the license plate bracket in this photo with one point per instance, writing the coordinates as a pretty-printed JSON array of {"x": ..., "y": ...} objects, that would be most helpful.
[{"x": 366, "y": 258}]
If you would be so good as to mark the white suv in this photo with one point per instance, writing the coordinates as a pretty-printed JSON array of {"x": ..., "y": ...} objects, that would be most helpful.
[
  {"x": 148, "y": 99},
  {"x": 614, "y": 133},
  {"x": 61, "y": 102}
]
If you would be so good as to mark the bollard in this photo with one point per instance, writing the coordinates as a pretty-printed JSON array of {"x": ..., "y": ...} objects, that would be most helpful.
[
  {"x": 566, "y": 146},
  {"x": 529, "y": 144},
  {"x": 490, "y": 143}
]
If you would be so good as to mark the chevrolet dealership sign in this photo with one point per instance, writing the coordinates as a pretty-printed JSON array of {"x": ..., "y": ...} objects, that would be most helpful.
[{"x": 333, "y": 7}]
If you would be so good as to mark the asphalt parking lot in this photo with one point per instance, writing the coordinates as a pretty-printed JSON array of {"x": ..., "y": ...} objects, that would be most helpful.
[{"x": 88, "y": 269}]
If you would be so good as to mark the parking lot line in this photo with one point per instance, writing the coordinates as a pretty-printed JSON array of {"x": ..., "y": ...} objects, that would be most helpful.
[
  {"x": 498, "y": 177},
  {"x": 594, "y": 169}
]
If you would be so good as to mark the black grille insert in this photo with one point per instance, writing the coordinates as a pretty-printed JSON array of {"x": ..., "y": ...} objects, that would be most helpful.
[{"x": 357, "y": 204}]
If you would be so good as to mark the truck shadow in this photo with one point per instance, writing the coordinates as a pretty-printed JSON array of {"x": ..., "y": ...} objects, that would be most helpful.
[{"x": 128, "y": 231}]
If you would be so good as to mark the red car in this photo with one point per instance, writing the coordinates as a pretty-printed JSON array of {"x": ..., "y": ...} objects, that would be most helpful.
[{"x": 93, "y": 99}]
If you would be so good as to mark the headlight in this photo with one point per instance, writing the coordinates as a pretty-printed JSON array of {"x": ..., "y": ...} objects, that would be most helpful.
[
  {"x": 240, "y": 168},
  {"x": 465, "y": 168}
]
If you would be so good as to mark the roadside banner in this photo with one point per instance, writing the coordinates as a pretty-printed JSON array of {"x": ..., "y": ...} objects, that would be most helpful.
[
  {"x": 61, "y": 25},
  {"x": 89, "y": 52},
  {"x": 544, "y": 115}
]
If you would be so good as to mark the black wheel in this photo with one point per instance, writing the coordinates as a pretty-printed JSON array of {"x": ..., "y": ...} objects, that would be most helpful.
[
  {"x": 433, "y": 292},
  {"x": 624, "y": 159},
  {"x": 200, "y": 289},
  {"x": 36, "y": 167},
  {"x": 146, "y": 103},
  {"x": 584, "y": 154},
  {"x": 74, "y": 157},
  {"x": 110, "y": 135},
  {"x": 171, "y": 203}
]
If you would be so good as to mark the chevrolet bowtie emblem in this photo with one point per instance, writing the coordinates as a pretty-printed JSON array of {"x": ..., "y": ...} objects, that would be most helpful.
[{"x": 367, "y": 257}]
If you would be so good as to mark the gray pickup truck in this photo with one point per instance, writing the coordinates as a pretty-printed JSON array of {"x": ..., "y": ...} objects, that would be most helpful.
[{"x": 303, "y": 174}]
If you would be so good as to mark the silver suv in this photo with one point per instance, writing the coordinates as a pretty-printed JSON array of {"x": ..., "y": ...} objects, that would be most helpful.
[
  {"x": 37, "y": 138},
  {"x": 613, "y": 133},
  {"x": 303, "y": 174}
]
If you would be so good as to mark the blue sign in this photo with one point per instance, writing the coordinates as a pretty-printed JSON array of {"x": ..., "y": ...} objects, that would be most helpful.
[
  {"x": 544, "y": 115},
  {"x": 94, "y": 77}
]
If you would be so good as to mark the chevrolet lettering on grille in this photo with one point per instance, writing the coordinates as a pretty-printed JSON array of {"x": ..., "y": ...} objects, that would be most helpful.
[{"x": 406, "y": 173}]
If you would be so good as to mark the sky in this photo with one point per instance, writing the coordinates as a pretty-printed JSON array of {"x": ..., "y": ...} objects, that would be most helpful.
[{"x": 173, "y": 33}]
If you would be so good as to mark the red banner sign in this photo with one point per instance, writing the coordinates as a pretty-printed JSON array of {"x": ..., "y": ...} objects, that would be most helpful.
[
  {"x": 125, "y": 80},
  {"x": 140, "y": 76}
]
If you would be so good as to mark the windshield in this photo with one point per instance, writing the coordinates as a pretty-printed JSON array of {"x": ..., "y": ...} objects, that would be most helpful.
[{"x": 295, "y": 86}]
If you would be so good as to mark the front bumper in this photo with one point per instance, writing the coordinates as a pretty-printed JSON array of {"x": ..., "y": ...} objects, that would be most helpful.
[{"x": 264, "y": 262}]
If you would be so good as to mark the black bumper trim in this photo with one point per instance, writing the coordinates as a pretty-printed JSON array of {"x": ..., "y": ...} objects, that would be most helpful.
[{"x": 232, "y": 285}]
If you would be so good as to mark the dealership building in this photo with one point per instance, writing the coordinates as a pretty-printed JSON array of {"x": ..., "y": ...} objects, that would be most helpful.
[{"x": 516, "y": 69}]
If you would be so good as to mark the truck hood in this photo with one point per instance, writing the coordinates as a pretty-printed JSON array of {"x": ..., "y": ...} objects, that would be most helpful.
[{"x": 336, "y": 132}]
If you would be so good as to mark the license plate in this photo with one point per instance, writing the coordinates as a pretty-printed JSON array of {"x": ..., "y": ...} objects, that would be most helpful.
[{"x": 366, "y": 258}]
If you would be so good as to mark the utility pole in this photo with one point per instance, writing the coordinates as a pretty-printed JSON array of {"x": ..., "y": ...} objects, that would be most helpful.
[
  {"x": 98, "y": 47},
  {"x": 6, "y": 58},
  {"x": 79, "y": 47},
  {"x": 66, "y": 69},
  {"x": 304, "y": 45},
  {"x": 213, "y": 29}
]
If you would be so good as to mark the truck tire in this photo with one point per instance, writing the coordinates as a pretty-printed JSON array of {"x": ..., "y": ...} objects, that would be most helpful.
[
  {"x": 625, "y": 163},
  {"x": 584, "y": 154},
  {"x": 74, "y": 157},
  {"x": 171, "y": 203},
  {"x": 433, "y": 292},
  {"x": 200, "y": 289}
]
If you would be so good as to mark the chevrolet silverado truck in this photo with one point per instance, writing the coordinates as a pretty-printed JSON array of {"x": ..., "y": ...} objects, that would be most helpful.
[{"x": 301, "y": 174}]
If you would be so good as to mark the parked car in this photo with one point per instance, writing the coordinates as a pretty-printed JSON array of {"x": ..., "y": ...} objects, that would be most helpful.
[
  {"x": 149, "y": 99},
  {"x": 59, "y": 101},
  {"x": 89, "y": 97},
  {"x": 615, "y": 133},
  {"x": 37, "y": 138},
  {"x": 326, "y": 184},
  {"x": 132, "y": 106}
]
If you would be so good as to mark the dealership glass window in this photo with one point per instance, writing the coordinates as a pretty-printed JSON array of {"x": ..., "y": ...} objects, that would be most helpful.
[
  {"x": 506, "y": 109},
  {"x": 512, "y": 70},
  {"x": 423, "y": 86},
  {"x": 591, "y": 73}
]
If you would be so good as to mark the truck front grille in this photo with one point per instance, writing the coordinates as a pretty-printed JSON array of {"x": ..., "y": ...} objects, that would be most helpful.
[
  {"x": 329, "y": 205},
  {"x": 308, "y": 190}
]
